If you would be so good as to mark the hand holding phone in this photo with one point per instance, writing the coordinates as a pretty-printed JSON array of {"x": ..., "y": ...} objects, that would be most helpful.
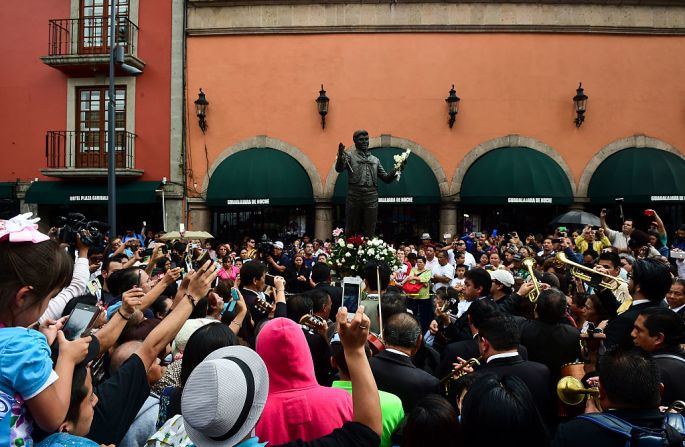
[{"x": 81, "y": 321}]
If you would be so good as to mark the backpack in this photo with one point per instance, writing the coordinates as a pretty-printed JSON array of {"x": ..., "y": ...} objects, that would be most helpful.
[{"x": 671, "y": 434}]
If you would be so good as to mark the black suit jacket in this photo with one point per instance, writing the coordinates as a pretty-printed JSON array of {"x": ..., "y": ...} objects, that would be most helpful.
[
  {"x": 672, "y": 370},
  {"x": 466, "y": 349},
  {"x": 396, "y": 374},
  {"x": 535, "y": 375},
  {"x": 619, "y": 328},
  {"x": 582, "y": 433},
  {"x": 552, "y": 345}
]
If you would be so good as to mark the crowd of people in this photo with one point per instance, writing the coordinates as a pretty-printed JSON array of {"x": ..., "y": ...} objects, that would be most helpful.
[{"x": 143, "y": 342}]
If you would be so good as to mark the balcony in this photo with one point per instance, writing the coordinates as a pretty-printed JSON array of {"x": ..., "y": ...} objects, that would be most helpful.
[
  {"x": 80, "y": 47},
  {"x": 84, "y": 154}
]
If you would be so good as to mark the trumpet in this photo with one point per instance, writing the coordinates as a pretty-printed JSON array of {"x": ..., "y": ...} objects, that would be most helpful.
[
  {"x": 596, "y": 279},
  {"x": 572, "y": 392},
  {"x": 533, "y": 295},
  {"x": 459, "y": 370}
]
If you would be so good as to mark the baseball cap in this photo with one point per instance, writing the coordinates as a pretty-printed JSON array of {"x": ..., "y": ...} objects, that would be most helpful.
[
  {"x": 224, "y": 397},
  {"x": 503, "y": 276},
  {"x": 425, "y": 236},
  {"x": 278, "y": 244}
]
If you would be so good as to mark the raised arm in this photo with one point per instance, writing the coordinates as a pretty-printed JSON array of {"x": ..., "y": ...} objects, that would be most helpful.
[
  {"x": 110, "y": 332},
  {"x": 341, "y": 160}
]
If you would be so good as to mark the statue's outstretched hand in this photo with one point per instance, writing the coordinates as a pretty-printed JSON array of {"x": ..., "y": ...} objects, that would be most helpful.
[{"x": 341, "y": 149}]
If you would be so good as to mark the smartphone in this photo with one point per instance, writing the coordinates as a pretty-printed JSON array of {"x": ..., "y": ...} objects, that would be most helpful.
[
  {"x": 494, "y": 232},
  {"x": 270, "y": 280},
  {"x": 165, "y": 250},
  {"x": 234, "y": 295},
  {"x": 352, "y": 290},
  {"x": 81, "y": 321},
  {"x": 146, "y": 253},
  {"x": 649, "y": 213}
]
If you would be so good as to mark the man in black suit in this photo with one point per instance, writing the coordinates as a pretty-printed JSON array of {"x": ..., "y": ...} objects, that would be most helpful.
[
  {"x": 321, "y": 276},
  {"x": 548, "y": 340},
  {"x": 629, "y": 389},
  {"x": 676, "y": 297},
  {"x": 498, "y": 339},
  {"x": 393, "y": 368},
  {"x": 477, "y": 284},
  {"x": 650, "y": 282},
  {"x": 660, "y": 331}
]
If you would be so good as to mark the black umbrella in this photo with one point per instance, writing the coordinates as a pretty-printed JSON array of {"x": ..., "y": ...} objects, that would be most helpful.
[{"x": 576, "y": 217}]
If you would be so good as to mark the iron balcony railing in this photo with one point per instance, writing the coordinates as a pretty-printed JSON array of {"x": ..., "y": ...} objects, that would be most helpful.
[
  {"x": 89, "y": 36},
  {"x": 87, "y": 149}
]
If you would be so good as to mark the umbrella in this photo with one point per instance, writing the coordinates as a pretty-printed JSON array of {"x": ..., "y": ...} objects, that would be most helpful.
[
  {"x": 576, "y": 217},
  {"x": 202, "y": 235}
]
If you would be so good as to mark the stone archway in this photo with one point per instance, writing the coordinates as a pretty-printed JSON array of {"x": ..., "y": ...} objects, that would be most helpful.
[
  {"x": 639, "y": 141},
  {"x": 273, "y": 143},
  {"x": 401, "y": 143},
  {"x": 507, "y": 141}
]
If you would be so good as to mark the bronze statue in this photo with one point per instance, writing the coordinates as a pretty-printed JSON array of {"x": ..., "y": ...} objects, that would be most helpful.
[{"x": 364, "y": 169}]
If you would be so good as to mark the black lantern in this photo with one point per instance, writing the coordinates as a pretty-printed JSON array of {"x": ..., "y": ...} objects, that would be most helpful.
[
  {"x": 452, "y": 105},
  {"x": 580, "y": 103},
  {"x": 322, "y": 105},
  {"x": 201, "y": 110}
]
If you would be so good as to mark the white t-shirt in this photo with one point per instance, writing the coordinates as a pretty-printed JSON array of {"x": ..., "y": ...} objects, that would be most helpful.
[
  {"x": 457, "y": 282},
  {"x": 618, "y": 239},
  {"x": 443, "y": 270},
  {"x": 431, "y": 264},
  {"x": 469, "y": 260}
]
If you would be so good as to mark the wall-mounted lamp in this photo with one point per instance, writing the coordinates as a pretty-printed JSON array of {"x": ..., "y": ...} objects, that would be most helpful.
[
  {"x": 580, "y": 103},
  {"x": 452, "y": 105},
  {"x": 322, "y": 105},
  {"x": 201, "y": 110}
]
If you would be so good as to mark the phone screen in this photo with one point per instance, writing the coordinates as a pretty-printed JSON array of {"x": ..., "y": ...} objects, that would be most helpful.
[
  {"x": 234, "y": 294},
  {"x": 351, "y": 297},
  {"x": 270, "y": 281},
  {"x": 78, "y": 322}
]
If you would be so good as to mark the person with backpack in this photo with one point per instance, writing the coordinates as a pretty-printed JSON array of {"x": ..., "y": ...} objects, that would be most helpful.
[{"x": 630, "y": 392}]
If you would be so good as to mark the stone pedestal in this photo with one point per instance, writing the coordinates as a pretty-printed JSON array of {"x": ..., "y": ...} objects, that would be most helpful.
[{"x": 199, "y": 216}]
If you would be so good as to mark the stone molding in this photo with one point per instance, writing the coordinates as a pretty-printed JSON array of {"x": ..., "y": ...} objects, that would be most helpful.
[
  {"x": 507, "y": 141},
  {"x": 616, "y": 146},
  {"x": 217, "y": 18},
  {"x": 272, "y": 143}
]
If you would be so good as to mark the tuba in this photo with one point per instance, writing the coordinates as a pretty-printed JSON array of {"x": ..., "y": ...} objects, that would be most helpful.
[
  {"x": 596, "y": 279},
  {"x": 533, "y": 295}
]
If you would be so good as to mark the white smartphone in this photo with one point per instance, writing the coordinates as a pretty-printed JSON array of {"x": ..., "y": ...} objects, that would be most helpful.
[{"x": 352, "y": 291}]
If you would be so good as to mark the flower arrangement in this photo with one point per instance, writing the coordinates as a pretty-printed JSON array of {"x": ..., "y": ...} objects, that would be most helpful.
[
  {"x": 349, "y": 255},
  {"x": 400, "y": 161}
]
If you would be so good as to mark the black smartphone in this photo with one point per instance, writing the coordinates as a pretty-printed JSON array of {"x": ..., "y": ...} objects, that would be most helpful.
[
  {"x": 270, "y": 280},
  {"x": 165, "y": 250},
  {"x": 146, "y": 253},
  {"x": 81, "y": 321}
]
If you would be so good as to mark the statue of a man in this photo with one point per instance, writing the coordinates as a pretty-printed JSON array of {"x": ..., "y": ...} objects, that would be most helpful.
[{"x": 364, "y": 170}]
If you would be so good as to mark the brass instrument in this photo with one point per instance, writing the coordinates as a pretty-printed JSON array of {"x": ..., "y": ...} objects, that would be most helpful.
[
  {"x": 459, "y": 371},
  {"x": 534, "y": 294},
  {"x": 678, "y": 406},
  {"x": 572, "y": 392},
  {"x": 596, "y": 279}
]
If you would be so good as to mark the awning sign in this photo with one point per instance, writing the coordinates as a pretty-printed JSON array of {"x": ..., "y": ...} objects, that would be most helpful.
[
  {"x": 395, "y": 200},
  {"x": 247, "y": 202},
  {"x": 667, "y": 198},
  {"x": 529, "y": 200},
  {"x": 90, "y": 198}
]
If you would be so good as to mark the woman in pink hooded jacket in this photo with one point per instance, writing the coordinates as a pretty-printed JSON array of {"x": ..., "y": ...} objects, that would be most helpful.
[{"x": 297, "y": 407}]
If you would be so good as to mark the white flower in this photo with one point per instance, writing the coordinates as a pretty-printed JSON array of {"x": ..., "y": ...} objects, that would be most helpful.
[
  {"x": 350, "y": 246},
  {"x": 361, "y": 251},
  {"x": 341, "y": 242},
  {"x": 371, "y": 251},
  {"x": 342, "y": 261},
  {"x": 348, "y": 254},
  {"x": 354, "y": 267}
]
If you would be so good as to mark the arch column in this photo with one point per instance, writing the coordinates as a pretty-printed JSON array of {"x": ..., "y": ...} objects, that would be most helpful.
[
  {"x": 323, "y": 219},
  {"x": 448, "y": 218}
]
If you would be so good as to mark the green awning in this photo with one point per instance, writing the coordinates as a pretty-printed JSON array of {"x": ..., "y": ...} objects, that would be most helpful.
[
  {"x": 417, "y": 183},
  {"x": 260, "y": 176},
  {"x": 7, "y": 190},
  {"x": 516, "y": 175},
  {"x": 64, "y": 193},
  {"x": 639, "y": 175}
]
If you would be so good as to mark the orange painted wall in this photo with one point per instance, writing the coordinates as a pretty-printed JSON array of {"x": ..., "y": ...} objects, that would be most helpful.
[
  {"x": 397, "y": 83},
  {"x": 33, "y": 95}
]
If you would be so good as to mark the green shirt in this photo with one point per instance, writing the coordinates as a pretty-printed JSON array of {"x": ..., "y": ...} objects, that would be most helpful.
[{"x": 391, "y": 410}]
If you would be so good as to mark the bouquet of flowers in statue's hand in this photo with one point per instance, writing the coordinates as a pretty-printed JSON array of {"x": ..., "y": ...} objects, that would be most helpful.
[
  {"x": 349, "y": 255},
  {"x": 400, "y": 162}
]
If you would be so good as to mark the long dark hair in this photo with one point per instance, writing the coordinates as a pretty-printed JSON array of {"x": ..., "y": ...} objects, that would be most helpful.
[
  {"x": 501, "y": 411},
  {"x": 43, "y": 266}
]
